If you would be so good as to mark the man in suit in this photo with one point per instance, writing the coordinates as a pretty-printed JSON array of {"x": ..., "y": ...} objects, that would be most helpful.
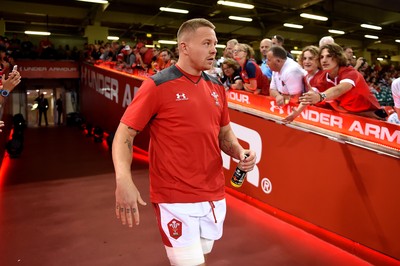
[{"x": 43, "y": 105}]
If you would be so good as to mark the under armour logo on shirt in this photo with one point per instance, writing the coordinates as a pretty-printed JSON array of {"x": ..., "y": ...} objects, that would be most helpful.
[{"x": 181, "y": 97}]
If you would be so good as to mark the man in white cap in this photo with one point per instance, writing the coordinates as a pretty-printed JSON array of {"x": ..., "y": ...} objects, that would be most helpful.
[{"x": 129, "y": 57}]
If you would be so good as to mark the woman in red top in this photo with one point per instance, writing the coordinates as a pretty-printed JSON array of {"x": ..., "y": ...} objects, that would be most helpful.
[
  {"x": 253, "y": 78},
  {"x": 346, "y": 90}
]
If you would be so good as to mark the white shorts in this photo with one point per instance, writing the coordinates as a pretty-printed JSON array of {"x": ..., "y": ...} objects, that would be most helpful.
[{"x": 188, "y": 230}]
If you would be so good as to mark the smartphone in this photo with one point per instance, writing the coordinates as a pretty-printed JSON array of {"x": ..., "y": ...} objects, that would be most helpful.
[{"x": 15, "y": 68}]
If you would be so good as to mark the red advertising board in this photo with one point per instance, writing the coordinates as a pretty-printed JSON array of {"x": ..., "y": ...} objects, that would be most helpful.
[
  {"x": 345, "y": 189},
  {"x": 337, "y": 124}
]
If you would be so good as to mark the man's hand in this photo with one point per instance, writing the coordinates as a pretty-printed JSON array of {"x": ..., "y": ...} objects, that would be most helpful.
[
  {"x": 289, "y": 118},
  {"x": 13, "y": 80},
  {"x": 247, "y": 163},
  {"x": 310, "y": 97},
  {"x": 127, "y": 198},
  {"x": 280, "y": 100}
]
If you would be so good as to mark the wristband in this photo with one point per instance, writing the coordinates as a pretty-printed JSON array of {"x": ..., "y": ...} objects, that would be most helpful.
[
  {"x": 4, "y": 93},
  {"x": 322, "y": 97}
]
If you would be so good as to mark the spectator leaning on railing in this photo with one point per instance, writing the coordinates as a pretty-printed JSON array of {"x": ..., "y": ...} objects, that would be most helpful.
[
  {"x": 347, "y": 89},
  {"x": 287, "y": 76},
  {"x": 230, "y": 76},
  {"x": 253, "y": 79},
  {"x": 313, "y": 79}
]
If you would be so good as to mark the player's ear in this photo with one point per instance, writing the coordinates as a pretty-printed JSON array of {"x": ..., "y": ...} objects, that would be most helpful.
[{"x": 183, "y": 47}]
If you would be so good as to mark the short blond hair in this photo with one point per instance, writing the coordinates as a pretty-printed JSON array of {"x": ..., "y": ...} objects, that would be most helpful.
[{"x": 190, "y": 26}]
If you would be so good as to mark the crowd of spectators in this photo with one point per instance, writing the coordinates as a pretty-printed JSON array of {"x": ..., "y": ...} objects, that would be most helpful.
[
  {"x": 131, "y": 58},
  {"x": 374, "y": 79},
  {"x": 238, "y": 68},
  {"x": 16, "y": 48}
]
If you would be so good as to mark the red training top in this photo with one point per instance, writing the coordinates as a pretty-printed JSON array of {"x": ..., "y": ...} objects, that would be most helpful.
[
  {"x": 359, "y": 98},
  {"x": 185, "y": 114}
]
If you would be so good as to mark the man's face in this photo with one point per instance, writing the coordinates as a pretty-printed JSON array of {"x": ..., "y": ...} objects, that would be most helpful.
[
  {"x": 310, "y": 62},
  {"x": 274, "y": 63},
  {"x": 327, "y": 61},
  {"x": 349, "y": 53},
  {"x": 165, "y": 56},
  {"x": 264, "y": 46},
  {"x": 228, "y": 52},
  {"x": 200, "y": 48},
  {"x": 274, "y": 41}
]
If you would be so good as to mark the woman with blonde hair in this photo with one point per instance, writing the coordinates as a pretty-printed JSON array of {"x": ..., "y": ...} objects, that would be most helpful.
[{"x": 253, "y": 79}]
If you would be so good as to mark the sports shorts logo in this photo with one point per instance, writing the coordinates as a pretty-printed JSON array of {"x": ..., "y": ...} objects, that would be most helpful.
[{"x": 175, "y": 228}]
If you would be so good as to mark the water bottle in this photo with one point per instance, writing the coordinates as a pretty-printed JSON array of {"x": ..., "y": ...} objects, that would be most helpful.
[{"x": 238, "y": 176}]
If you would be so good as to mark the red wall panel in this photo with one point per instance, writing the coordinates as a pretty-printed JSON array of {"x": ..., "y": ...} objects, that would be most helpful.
[{"x": 345, "y": 189}]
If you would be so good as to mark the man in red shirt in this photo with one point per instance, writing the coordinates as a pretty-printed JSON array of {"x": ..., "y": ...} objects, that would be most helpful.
[
  {"x": 187, "y": 114},
  {"x": 146, "y": 54},
  {"x": 344, "y": 87}
]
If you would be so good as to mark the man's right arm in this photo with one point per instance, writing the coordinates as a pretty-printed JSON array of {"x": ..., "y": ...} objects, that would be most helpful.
[
  {"x": 122, "y": 150},
  {"x": 127, "y": 195}
]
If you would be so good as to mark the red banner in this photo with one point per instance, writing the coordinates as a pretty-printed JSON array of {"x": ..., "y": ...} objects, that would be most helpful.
[
  {"x": 45, "y": 69},
  {"x": 346, "y": 125}
]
